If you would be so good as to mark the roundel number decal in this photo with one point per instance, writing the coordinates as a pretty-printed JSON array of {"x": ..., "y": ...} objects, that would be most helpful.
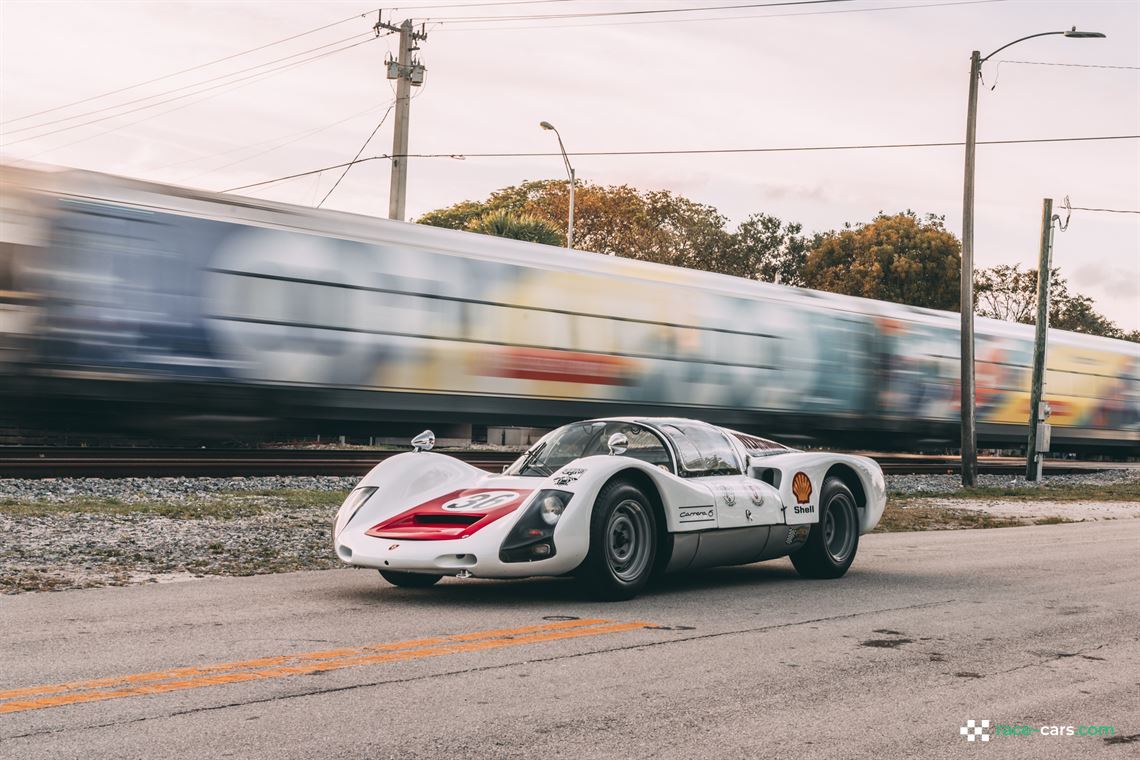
[{"x": 484, "y": 500}]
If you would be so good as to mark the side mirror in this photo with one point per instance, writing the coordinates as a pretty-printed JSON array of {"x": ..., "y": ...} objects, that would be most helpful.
[
  {"x": 618, "y": 443},
  {"x": 424, "y": 441}
]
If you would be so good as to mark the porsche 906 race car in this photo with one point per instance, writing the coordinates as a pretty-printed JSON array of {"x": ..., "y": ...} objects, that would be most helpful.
[{"x": 614, "y": 501}]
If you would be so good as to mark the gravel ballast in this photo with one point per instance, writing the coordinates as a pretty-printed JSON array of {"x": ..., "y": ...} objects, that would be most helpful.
[{"x": 83, "y": 532}]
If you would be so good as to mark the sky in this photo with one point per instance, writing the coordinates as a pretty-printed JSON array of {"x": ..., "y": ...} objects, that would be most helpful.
[{"x": 789, "y": 75}]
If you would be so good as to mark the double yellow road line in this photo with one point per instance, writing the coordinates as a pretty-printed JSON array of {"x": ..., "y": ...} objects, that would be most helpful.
[{"x": 180, "y": 679}]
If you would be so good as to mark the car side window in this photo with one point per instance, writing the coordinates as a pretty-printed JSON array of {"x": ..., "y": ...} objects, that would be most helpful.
[
  {"x": 647, "y": 447},
  {"x": 704, "y": 450}
]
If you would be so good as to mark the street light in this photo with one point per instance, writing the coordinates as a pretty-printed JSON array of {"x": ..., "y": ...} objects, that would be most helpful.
[
  {"x": 570, "y": 171},
  {"x": 969, "y": 437}
]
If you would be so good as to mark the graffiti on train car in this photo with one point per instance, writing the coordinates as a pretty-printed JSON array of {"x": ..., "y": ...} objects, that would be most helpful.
[{"x": 135, "y": 292}]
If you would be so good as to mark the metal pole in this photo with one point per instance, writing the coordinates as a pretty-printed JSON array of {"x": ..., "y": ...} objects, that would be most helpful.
[
  {"x": 1033, "y": 456},
  {"x": 397, "y": 194},
  {"x": 969, "y": 437},
  {"x": 570, "y": 226}
]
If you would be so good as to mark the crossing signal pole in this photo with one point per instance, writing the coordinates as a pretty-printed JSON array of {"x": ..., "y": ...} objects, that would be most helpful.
[{"x": 408, "y": 73}]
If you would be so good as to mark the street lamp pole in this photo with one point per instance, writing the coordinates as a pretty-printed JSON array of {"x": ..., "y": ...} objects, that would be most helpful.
[
  {"x": 966, "y": 304},
  {"x": 570, "y": 172}
]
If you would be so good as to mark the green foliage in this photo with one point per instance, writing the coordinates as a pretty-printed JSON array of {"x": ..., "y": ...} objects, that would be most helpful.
[
  {"x": 617, "y": 220},
  {"x": 899, "y": 258},
  {"x": 517, "y": 226},
  {"x": 1010, "y": 293},
  {"x": 764, "y": 248}
]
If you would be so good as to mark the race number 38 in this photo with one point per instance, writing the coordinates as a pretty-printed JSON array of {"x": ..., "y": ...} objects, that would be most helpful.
[{"x": 484, "y": 500}]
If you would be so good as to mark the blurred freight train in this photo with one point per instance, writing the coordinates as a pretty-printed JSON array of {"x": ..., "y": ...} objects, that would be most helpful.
[{"x": 138, "y": 306}]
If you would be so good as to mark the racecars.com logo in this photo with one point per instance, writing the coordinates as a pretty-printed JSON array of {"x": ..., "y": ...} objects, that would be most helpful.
[{"x": 984, "y": 730}]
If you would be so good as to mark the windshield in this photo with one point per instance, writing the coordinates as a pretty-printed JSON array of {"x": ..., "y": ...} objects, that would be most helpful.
[{"x": 583, "y": 439}]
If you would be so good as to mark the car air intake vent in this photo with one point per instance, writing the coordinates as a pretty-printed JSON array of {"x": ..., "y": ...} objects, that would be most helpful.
[{"x": 452, "y": 519}]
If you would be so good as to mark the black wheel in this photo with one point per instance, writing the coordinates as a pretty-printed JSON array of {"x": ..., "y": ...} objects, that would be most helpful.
[
  {"x": 623, "y": 543},
  {"x": 833, "y": 541},
  {"x": 410, "y": 580}
]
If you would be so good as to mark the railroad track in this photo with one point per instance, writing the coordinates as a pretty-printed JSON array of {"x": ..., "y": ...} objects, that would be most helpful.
[{"x": 52, "y": 462}]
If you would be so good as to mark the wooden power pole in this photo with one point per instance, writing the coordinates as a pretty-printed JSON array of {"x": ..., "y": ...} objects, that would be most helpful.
[{"x": 408, "y": 72}]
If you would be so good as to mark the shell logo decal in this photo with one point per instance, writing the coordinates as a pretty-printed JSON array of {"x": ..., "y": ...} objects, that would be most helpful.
[{"x": 801, "y": 488}]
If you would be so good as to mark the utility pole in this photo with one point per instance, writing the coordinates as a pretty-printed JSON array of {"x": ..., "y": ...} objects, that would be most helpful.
[
  {"x": 1039, "y": 430},
  {"x": 966, "y": 301},
  {"x": 408, "y": 73}
]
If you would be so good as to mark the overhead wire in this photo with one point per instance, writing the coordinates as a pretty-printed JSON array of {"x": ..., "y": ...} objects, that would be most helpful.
[
  {"x": 187, "y": 86},
  {"x": 1105, "y": 210},
  {"x": 287, "y": 140},
  {"x": 444, "y": 26},
  {"x": 634, "y": 12},
  {"x": 193, "y": 68},
  {"x": 1072, "y": 65},
  {"x": 362, "y": 147},
  {"x": 694, "y": 151},
  {"x": 189, "y": 94}
]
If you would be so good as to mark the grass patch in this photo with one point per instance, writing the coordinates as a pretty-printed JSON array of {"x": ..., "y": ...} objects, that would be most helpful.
[
  {"x": 1128, "y": 490},
  {"x": 897, "y": 519},
  {"x": 219, "y": 506},
  {"x": 1054, "y": 520}
]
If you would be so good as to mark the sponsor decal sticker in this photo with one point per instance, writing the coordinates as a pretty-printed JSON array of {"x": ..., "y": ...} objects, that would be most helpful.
[
  {"x": 697, "y": 514},
  {"x": 796, "y": 535},
  {"x": 801, "y": 488},
  {"x": 568, "y": 476}
]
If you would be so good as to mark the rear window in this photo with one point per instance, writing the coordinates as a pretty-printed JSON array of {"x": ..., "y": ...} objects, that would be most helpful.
[{"x": 703, "y": 449}]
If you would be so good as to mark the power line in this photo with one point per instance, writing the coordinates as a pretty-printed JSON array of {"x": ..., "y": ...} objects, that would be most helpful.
[
  {"x": 1105, "y": 210},
  {"x": 639, "y": 12},
  {"x": 226, "y": 89},
  {"x": 695, "y": 151},
  {"x": 186, "y": 86},
  {"x": 1073, "y": 65},
  {"x": 353, "y": 161},
  {"x": 190, "y": 94},
  {"x": 306, "y": 174},
  {"x": 280, "y": 142},
  {"x": 193, "y": 68},
  {"x": 446, "y": 27},
  {"x": 479, "y": 5}
]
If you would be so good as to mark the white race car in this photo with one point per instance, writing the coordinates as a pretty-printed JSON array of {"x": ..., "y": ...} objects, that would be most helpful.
[{"x": 614, "y": 501}]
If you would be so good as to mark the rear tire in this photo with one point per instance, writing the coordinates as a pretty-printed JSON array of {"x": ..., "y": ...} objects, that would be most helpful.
[
  {"x": 834, "y": 540},
  {"x": 623, "y": 543},
  {"x": 410, "y": 580}
]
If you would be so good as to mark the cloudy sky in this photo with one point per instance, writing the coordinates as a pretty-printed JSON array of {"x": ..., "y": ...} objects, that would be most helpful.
[{"x": 787, "y": 75}]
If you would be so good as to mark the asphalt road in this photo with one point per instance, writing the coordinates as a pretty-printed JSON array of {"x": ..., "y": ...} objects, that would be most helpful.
[{"x": 1019, "y": 626}]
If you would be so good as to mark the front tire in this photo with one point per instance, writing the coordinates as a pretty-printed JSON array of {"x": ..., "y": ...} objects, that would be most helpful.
[
  {"x": 623, "y": 542},
  {"x": 833, "y": 541},
  {"x": 410, "y": 580}
]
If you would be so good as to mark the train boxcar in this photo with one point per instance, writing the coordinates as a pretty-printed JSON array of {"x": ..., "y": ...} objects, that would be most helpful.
[{"x": 156, "y": 302}]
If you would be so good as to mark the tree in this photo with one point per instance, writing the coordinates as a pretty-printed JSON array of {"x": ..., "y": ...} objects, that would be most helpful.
[
  {"x": 516, "y": 226},
  {"x": 764, "y": 248},
  {"x": 1010, "y": 293},
  {"x": 899, "y": 258},
  {"x": 617, "y": 220}
]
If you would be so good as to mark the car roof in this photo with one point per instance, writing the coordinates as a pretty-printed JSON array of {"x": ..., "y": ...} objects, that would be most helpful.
[{"x": 752, "y": 443}]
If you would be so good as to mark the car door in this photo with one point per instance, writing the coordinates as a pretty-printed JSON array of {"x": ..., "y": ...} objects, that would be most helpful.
[{"x": 708, "y": 459}]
